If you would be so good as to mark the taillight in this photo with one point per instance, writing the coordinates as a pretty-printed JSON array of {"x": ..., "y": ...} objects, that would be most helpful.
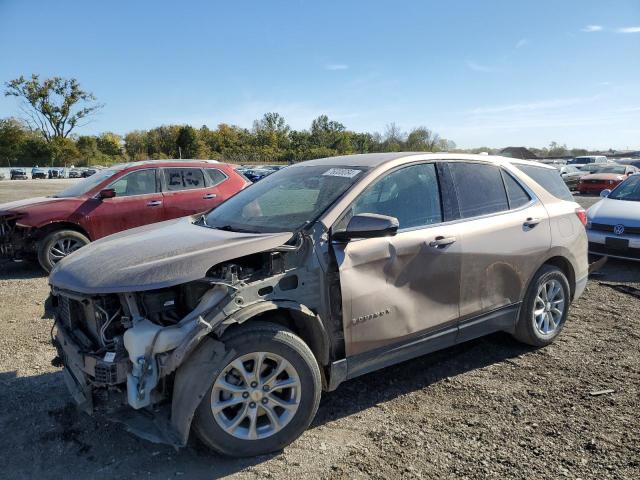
[{"x": 582, "y": 215}]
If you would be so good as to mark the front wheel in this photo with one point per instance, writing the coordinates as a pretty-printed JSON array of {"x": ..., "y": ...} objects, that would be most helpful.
[
  {"x": 264, "y": 397},
  {"x": 57, "y": 245},
  {"x": 545, "y": 307}
]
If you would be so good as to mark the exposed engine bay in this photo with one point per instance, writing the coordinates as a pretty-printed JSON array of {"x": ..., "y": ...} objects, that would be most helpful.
[{"x": 128, "y": 346}]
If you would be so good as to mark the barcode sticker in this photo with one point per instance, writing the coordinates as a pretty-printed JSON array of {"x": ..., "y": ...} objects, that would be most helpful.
[
  {"x": 109, "y": 357},
  {"x": 342, "y": 172}
]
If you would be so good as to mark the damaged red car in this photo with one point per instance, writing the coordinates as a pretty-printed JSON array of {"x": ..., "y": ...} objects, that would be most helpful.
[{"x": 114, "y": 199}]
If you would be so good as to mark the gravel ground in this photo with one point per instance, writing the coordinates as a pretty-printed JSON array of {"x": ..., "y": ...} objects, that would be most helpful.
[{"x": 490, "y": 408}]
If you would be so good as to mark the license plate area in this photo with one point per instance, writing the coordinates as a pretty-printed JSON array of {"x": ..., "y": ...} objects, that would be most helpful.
[{"x": 617, "y": 243}]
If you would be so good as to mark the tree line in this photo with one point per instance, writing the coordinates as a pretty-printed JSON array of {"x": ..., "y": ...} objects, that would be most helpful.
[{"x": 54, "y": 108}]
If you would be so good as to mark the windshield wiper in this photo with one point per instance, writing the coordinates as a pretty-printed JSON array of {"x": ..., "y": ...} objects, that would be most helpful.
[{"x": 229, "y": 228}]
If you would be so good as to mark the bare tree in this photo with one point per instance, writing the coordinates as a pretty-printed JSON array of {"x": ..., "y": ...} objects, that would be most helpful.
[{"x": 53, "y": 106}]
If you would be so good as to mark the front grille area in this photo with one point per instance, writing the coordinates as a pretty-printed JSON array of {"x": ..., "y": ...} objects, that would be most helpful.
[
  {"x": 603, "y": 227},
  {"x": 602, "y": 249}
]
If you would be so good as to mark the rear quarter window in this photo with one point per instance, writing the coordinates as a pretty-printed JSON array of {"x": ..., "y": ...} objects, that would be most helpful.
[{"x": 549, "y": 179}]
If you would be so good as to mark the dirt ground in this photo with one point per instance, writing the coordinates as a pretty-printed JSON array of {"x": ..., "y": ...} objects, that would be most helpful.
[{"x": 490, "y": 408}]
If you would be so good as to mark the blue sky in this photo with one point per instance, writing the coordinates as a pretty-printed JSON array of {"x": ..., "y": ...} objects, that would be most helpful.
[{"x": 493, "y": 73}]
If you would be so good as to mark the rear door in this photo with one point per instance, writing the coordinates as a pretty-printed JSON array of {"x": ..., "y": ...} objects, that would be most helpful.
[
  {"x": 185, "y": 192},
  {"x": 396, "y": 289},
  {"x": 138, "y": 201},
  {"x": 504, "y": 235}
]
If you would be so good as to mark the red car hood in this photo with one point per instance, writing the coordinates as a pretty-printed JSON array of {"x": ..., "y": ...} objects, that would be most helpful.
[
  {"x": 21, "y": 206},
  {"x": 603, "y": 176}
]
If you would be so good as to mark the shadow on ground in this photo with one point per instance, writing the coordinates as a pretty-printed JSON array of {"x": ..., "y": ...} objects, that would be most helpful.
[{"x": 23, "y": 270}]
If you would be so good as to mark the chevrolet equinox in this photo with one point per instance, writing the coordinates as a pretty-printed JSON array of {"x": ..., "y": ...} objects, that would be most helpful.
[{"x": 232, "y": 322}]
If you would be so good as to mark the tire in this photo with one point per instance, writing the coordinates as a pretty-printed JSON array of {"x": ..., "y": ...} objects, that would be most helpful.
[
  {"x": 49, "y": 251},
  {"x": 275, "y": 342},
  {"x": 535, "y": 329}
]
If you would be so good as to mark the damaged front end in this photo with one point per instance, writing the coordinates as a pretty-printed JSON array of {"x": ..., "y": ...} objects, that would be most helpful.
[
  {"x": 151, "y": 352},
  {"x": 15, "y": 241}
]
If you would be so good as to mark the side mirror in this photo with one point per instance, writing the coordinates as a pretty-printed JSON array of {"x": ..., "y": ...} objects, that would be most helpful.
[
  {"x": 368, "y": 225},
  {"x": 107, "y": 193},
  {"x": 605, "y": 193}
]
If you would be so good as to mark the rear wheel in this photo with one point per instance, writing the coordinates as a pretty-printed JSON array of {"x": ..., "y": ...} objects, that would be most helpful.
[
  {"x": 264, "y": 397},
  {"x": 57, "y": 245},
  {"x": 545, "y": 307}
]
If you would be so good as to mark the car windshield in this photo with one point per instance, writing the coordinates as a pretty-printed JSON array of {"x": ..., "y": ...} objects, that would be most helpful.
[
  {"x": 86, "y": 184},
  {"x": 285, "y": 201},
  {"x": 613, "y": 169},
  {"x": 628, "y": 190}
]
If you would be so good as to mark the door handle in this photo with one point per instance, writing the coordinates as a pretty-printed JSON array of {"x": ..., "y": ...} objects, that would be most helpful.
[
  {"x": 209, "y": 196},
  {"x": 531, "y": 222},
  {"x": 154, "y": 203},
  {"x": 440, "y": 242}
]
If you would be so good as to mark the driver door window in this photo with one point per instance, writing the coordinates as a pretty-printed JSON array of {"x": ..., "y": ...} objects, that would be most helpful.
[
  {"x": 410, "y": 194},
  {"x": 140, "y": 182}
]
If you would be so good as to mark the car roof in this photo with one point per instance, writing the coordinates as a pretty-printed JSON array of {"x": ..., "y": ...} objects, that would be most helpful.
[
  {"x": 176, "y": 162},
  {"x": 372, "y": 160}
]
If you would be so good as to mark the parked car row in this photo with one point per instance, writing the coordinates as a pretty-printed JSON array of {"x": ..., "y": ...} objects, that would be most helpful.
[
  {"x": 258, "y": 173},
  {"x": 594, "y": 177}
]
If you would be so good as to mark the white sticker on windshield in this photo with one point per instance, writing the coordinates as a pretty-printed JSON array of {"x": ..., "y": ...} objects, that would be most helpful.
[{"x": 342, "y": 172}]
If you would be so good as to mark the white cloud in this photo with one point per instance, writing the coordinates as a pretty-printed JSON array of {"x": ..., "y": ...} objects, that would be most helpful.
[
  {"x": 336, "y": 66},
  {"x": 530, "y": 106},
  {"x": 476, "y": 67},
  {"x": 592, "y": 28},
  {"x": 629, "y": 30},
  {"x": 522, "y": 42}
]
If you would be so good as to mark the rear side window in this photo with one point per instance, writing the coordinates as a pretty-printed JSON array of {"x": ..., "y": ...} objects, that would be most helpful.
[
  {"x": 215, "y": 176},
  {"x": 516, "y": 194},
  {"x": 549, "y": 179},
  {"x": 183, "y": 178},
  {"x": 480, "y": 189}
]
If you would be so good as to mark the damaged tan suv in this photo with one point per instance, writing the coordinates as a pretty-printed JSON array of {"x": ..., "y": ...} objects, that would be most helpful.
[{"x": 231, "y": 323}]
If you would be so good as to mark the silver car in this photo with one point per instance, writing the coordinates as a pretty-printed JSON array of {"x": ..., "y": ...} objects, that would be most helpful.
[
  {"x": 613, "y": 226},
  {"x": 231, "y": 324}
]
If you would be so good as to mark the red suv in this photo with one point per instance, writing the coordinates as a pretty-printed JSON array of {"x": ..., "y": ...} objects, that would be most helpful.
[{"x": 113, "y": 199}]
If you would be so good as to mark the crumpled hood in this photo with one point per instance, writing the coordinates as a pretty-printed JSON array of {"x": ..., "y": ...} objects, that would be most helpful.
[
  {"x": 21, "y": 206},
  {"x": 614, "y": 212},
  {"x": 155, "y": 256}
]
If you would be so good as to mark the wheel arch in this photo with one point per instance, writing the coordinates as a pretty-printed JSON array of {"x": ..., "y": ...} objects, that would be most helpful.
[
  {"x": 44, "y": 230},
  {"x": 296, "y": 317},
  {"x": 564, "y": 264}
]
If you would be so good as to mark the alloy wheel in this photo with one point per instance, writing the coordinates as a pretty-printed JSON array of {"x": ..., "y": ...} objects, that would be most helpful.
[
  {"x": 549, "y": 307},
  {"x": 63, "y": 247},
  {"x": 256, "y": 395}
]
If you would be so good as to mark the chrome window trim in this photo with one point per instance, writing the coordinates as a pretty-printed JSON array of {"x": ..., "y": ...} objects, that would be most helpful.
[{"x": 534, "y": 198}]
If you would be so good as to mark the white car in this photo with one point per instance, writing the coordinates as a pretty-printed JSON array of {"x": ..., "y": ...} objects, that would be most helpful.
[{"x": 613, "y": 224}]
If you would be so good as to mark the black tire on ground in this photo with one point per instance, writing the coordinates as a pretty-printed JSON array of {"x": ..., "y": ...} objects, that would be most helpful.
[
  {"x": 49, "y": 241},
  {"x": 271, "y": 338},
  {"x": 526, "y": 331}
]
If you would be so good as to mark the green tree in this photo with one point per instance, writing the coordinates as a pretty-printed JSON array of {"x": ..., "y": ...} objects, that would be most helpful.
[
  {"x": 109, "y": 144},
  {"x": 13, "y": 135},
  {"x": 421, "y": 139},
  {"x": 187, "y": 142},
  {"x": 53, "y": 106}
]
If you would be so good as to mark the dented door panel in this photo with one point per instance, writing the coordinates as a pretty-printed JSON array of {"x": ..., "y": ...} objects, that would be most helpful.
[{"x": 397, "y": 287}]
